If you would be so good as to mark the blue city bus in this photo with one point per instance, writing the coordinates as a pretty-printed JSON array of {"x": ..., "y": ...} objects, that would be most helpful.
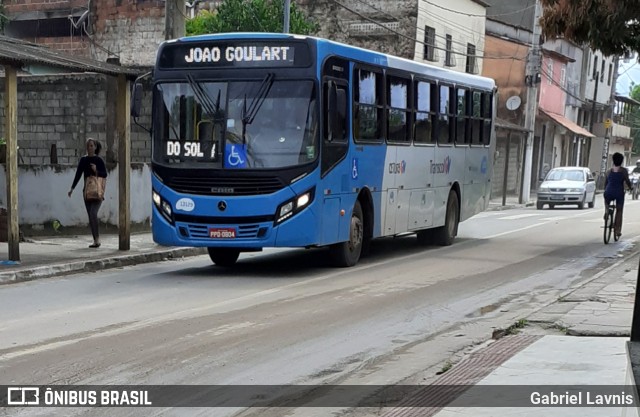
[{"x": 277, "y": 140}]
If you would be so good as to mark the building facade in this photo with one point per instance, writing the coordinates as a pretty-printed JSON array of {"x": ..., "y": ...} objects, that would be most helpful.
[{"x": 129, "y": 31}]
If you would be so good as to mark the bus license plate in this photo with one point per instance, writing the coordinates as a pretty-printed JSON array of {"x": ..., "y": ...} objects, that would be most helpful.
[{"x": 222, "y": 233}]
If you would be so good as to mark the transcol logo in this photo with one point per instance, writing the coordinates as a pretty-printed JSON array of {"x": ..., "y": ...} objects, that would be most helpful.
[
  {"x": 442, "y": 167},
  {"x": 398, "y": 167}
]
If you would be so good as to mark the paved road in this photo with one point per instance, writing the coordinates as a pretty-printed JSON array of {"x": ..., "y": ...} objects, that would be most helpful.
[{"x": 282, "y": 316}]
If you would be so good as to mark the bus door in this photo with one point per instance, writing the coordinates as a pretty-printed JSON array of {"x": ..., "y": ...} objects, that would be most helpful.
[
  {"x": 390, "y": 192},
  {"x": 335, "y": 146}
]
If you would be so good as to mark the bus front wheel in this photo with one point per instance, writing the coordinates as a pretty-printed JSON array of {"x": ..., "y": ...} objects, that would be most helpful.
[
  {"x": 223, "y": 256},
  {"x": 347, "y": 253},
  {"x": 444, "y": 235}
]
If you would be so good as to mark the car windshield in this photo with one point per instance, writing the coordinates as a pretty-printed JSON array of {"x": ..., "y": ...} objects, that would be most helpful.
[
  {"x": 564, "y": 174},
  {"x": 235, "y": 125}
]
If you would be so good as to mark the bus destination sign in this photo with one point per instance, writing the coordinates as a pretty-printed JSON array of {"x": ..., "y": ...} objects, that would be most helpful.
[{"x": 256, "y": 54}]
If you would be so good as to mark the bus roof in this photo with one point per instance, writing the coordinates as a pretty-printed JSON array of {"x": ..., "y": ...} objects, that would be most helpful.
[{"x": 359, "y": 54}]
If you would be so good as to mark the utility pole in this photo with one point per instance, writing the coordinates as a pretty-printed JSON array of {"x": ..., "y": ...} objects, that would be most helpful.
[
  {"x": 607, "y": 138},
  {"x": 174, "y": 23},
  {"x": 532, "y": 80},
  {"x": 287, "y": 15}
]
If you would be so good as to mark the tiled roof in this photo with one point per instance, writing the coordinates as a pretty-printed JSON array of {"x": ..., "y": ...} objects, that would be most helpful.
[{"x": 19, "y": 53}]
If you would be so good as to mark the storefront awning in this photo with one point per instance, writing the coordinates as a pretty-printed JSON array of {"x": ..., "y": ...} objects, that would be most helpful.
[{"x": 568, "y": 124}]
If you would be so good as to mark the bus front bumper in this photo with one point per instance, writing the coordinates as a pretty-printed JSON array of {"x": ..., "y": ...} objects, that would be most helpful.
[{"x": 293, "y": 232}]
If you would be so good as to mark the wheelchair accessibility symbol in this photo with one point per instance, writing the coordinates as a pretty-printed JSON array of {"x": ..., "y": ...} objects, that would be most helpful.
[
  {"x": 354, "y": 169},
  {"x": 235, "y": 156}
]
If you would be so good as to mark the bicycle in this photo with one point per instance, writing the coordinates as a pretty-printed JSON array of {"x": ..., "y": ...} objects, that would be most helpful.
[{"x": 609, "y": 220}]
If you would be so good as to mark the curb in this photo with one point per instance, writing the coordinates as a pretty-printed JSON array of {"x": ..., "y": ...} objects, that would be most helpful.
[
  {"x": 500, "y": 207},
  {"x": 94, "y": 265}
]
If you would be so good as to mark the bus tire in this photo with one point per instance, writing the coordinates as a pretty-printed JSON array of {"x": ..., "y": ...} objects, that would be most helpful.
[
  {"x": 345, "y": 254},
  {"x": 425, "y": 237},
  {"x": 223, "y": 256},
  {"x": 444, "y": 235}
]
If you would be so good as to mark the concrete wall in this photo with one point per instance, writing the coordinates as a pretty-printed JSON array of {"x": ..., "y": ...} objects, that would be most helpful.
[
  {"x": 552, "y": 96},
  {"x": 130, "y": 30},
  {"x": 42, "y": 195},
  {"x": 64, "y": 111},
  {"x": 342, "y": 25},
  {"x": 604, "y": 86},
  {"x": 507, "y": 67}
]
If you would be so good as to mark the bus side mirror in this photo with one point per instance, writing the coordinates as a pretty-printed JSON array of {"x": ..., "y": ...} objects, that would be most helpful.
[{"x": 136, "y": 100}]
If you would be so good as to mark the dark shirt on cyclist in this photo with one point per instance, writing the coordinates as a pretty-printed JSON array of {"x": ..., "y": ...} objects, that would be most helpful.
[{"x": 614, "y": 185}]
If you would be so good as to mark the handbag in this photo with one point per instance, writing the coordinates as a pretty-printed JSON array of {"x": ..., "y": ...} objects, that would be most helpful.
[{"x": 94, "y": 188}]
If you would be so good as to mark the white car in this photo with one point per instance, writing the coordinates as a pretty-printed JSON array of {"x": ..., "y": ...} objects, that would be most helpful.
[{"x": 567, "y": 185}]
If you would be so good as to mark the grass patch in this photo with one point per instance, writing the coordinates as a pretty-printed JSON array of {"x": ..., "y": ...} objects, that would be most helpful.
[{"x": 447, "y": 365}]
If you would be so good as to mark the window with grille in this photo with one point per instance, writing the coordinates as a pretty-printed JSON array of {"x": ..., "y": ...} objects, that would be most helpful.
[
  {"x": 449, "y": 60},
  {"x": 471, "y": 59},
  {"x": 429, "y": 44}
]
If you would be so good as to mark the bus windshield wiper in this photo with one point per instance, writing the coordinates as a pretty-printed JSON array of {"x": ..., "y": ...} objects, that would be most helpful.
[
  {"x": 249, "y": 114},
  {"x": 209, "y": 106}
]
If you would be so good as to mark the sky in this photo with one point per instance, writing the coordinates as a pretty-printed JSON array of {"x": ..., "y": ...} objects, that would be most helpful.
[{"x": 627, "y": 73}]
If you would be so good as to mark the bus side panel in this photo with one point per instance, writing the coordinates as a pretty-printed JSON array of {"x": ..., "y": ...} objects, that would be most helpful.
[
  {"x": 448, "y": 168},
  {"x": 415, "y": 186},
  {"x": 366, "y": 166},
  {"x": 475, "y": 182},
  {"x": 391, "y": 201},
  {"x": 331, "y": 220}
]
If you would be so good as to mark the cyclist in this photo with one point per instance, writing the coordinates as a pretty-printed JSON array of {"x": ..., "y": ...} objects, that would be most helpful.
[
  {"x": 614, "y": 183},
  {"x": 636, "y": 170}
]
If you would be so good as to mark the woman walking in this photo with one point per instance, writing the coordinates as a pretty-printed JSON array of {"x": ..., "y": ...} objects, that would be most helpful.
[{"x": 91, "y": 165}]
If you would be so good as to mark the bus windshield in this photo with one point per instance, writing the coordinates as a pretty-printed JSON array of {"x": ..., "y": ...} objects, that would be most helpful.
[{"x": 235, "y": 124}]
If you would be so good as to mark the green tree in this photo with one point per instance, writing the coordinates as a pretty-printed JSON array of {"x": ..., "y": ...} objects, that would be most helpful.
[
  {"x": 251, "y": 16},
  {"x": 634, "y": 120},
  {"x": 611, "y": 26}
]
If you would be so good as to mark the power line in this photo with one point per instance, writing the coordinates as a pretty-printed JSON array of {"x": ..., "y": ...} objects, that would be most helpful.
[
  {"x": 408, "y": 37},
  {"x": 481, "y": 15},
  {"x": 419, "y": 29}
]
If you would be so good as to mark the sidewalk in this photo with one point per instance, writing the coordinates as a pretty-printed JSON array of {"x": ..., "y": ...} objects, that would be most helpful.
[
  {"x": 578, "y": 341},
  {"x": 511, "y": 202},
  {"x": 42, "y": 257}
]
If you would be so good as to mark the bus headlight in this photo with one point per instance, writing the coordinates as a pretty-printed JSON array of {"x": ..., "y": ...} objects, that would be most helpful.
[
  {"x": 292, "y": 207},
  {"x": 162, "y": 205},
  {"x": 156, "y": 198}
]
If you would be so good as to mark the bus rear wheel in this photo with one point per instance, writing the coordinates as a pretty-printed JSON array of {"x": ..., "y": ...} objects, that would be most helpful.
[
  {"x": 223, "y": 256},
  {"x": 347, "y": 253},
  {"x": 444, "y": 235}
]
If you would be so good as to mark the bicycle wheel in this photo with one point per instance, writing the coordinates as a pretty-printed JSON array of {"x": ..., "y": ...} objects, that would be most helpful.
[
  {"x": 608, "y": 226},
  {"x": 615, "y": 235}
]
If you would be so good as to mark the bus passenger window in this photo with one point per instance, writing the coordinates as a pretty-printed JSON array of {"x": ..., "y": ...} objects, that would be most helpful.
[
  {"x": 426, "y": 93},
  {"x": 487, "y": 115},
  {"x": 476, "y": 118},
  {"x": 368, "y": 106},
  {"x": 445, "y": 116},
  {"x": 462, "y": 136},
  {"x": 397, "y": 117}
]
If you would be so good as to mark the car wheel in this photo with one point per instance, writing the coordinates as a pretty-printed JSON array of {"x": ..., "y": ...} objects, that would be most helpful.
[
  {"x": 539, "y": 205},
  {"x": 552, "y": 206},
  {"x": 584, "y": 200},
  {"x": 592, "y": 203}
]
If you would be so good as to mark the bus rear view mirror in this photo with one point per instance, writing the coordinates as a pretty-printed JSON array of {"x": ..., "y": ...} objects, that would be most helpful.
[{"x": 136, "y": 100}]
